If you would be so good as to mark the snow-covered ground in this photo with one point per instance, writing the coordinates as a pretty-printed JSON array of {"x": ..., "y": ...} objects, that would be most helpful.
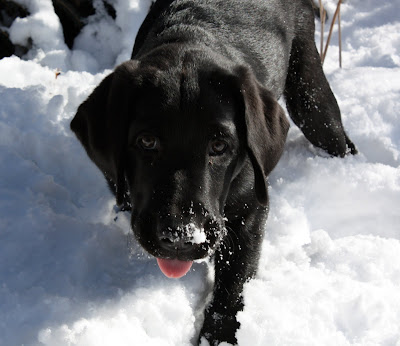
[{"x": 70, "y": 274}]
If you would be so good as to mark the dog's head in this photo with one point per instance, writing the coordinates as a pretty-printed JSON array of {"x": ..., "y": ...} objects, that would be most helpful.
[{"x": 173, "y": 139}]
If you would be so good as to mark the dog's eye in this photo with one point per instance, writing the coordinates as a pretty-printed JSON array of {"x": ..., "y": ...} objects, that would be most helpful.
[
  {"x": 218, "y": 147},
  {"x": 148, "y": 142}
]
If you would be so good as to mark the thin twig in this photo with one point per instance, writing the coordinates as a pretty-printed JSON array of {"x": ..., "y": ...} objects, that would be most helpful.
[
  {"x": 322, "y": 18},
  {"x": 323, "y": 23},
  {"x": 331, "y": 29},
  {"x": 340, "y": 40}
]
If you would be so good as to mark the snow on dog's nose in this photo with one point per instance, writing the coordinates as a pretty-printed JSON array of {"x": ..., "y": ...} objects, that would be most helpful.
[{"x": 182, "y": 237}]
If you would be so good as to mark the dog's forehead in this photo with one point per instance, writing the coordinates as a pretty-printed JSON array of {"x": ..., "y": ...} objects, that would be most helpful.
[{"x": 199, "y": 106}]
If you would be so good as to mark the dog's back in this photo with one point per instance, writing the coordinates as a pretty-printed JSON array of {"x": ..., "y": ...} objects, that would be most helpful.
[{"x": 247, "y": 32}]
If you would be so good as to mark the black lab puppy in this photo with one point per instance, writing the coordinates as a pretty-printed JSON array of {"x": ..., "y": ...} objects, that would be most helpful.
[{"x": 187, "y": 131}]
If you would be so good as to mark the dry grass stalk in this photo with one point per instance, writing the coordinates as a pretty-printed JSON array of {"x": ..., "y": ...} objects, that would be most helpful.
[
  {"x": 340, "y": 40},
  {"x": 336, "y": 15},
  {"x": 322, "y": 14}
]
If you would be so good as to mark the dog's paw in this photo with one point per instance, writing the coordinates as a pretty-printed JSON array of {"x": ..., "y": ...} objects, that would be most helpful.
[{"x": 218, "y": 330}]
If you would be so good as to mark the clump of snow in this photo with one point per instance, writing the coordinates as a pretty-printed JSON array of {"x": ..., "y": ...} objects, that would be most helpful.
[
  {"x": 198, "y": 236},
  {"x": 70, "y": 274}
]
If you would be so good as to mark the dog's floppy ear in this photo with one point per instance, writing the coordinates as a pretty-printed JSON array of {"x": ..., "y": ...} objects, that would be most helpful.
[
  {"x": 101, "y": 125},
  {"x": 266, "y": 129}
]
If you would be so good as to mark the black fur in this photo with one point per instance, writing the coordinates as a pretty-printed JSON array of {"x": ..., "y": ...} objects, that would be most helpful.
[{"x": 204, "y": 76}]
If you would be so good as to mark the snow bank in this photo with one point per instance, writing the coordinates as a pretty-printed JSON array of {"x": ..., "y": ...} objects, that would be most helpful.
[{"x": 70, "y": 274}]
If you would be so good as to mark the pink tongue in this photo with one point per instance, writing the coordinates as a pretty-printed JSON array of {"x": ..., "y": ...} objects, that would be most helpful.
[{"x": 174, "y": 268}]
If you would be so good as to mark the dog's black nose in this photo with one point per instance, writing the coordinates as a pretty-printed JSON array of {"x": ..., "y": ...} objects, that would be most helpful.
[{"x": 173, "y": 241}]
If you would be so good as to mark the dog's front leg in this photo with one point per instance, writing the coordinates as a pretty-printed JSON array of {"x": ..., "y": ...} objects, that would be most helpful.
[{"x": 235, "y": 263}]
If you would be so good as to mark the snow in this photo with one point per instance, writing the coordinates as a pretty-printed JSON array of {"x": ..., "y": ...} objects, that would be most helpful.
[
  {"x": 198, "y": 236},
  {"x": 70, "y": 272}
]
